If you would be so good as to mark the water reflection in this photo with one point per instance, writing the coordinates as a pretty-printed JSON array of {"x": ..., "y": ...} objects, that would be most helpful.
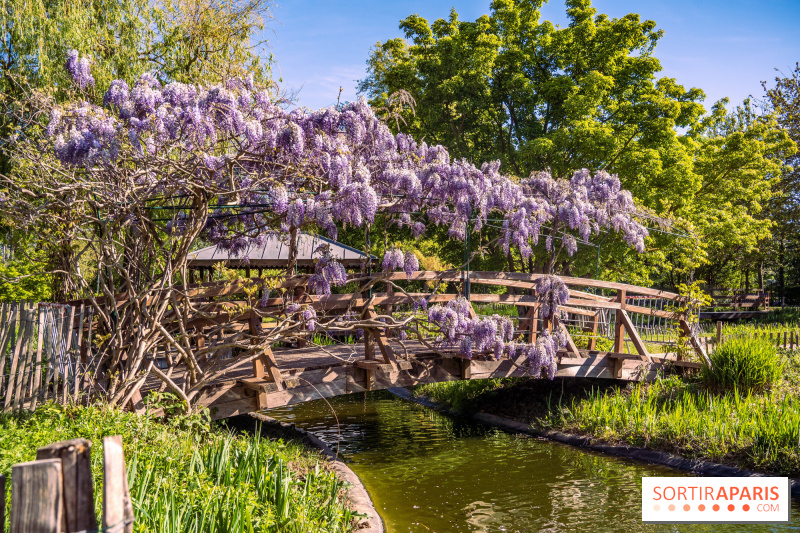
[{"x": 429, "y": 472}]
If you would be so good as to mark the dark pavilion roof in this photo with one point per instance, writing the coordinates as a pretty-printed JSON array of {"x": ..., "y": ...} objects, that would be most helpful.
[{"x": 275, "y": 254}]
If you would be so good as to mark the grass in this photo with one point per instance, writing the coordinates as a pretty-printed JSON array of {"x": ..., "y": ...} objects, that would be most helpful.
[
  {"x": 187, "y": 475},
  {"x": 753, "y": 431},
  {"x": 746, "y": 363}
]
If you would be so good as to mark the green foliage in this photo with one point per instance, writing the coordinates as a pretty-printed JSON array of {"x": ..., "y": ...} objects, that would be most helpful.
[
  {"x": 512, "y": 87},
  {"x": 743, "y": 363},
  {"x": 455, "y": 394},
  {"x": 186, "y": 475},
  {"x": 19, "y": 281}
]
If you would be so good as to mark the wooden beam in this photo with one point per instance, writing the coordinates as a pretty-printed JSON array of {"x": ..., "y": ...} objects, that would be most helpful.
[
  {"x": 698, "y": 348},
  {"x": 480, "y": 277},
  {"x": 570, "y": 343},
  {"x": 633, "y": 334}
]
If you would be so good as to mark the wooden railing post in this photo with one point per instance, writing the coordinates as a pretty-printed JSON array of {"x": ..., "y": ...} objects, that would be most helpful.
[
  {"x": 76, "y": 471},
  {"x": 37, "y": 502},
  {"x": 593, "y": 340},
  {"x": 619, "y": 330}
]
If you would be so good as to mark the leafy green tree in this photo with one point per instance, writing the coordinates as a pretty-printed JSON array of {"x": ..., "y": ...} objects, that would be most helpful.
[
  {"x": 184, "y": 40},
  {"x": 509, "y": 86},
  {"x": 784, "y": 100}
]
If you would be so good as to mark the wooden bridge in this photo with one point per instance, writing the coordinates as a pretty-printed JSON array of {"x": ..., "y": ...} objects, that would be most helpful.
[{"x": 51, "y": 356}]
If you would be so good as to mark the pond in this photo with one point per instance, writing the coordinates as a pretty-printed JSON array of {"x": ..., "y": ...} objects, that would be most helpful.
[{"x": 426, "y": 471}]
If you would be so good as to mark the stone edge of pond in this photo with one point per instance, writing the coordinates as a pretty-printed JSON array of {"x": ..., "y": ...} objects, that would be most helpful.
[
  {"x": 357, "y": 493},
  {"x": 645, "y": 455}
]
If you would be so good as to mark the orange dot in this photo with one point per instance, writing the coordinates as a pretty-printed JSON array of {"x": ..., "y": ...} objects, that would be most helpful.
[
  {"x": 701, "y": 507},
  {"x": 656, "y": 507},
  {"x": 716, "y": 507},
  {"x": 686, "y": 507},
  {"x": 746, "y": 507},
  {"x": 731, "y": 507},
  {"x": 671, "y": 507}
]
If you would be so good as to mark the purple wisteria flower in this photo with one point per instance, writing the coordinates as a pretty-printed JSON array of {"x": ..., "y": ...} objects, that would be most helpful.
[{"x": 80, "y": 69}]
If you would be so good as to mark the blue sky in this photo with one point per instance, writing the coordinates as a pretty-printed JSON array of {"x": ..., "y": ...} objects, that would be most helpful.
[{"x": 724, "y": 48}]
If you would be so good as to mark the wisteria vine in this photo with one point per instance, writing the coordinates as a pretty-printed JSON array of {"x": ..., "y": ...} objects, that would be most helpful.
[{"x": 252, "y": 168}]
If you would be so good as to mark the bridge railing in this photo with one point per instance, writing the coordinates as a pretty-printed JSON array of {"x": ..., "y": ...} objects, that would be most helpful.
[{"x": 57, "y": 354}]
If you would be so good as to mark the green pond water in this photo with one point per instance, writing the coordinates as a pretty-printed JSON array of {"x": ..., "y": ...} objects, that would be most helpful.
[{"x": 431, "y": 472}]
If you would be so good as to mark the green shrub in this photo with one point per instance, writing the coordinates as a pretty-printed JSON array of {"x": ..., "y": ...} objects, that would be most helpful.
[{"x": 744, "y": 363}]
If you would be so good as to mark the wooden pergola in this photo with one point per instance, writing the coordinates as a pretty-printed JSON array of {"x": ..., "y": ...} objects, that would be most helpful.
[{"x": 274, "y": 253}]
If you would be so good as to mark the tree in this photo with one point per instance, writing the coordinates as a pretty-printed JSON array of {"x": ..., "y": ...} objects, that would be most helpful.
[
  {"x": 784, "y": 210},
  {"x": 205, "y": 40},
  {"x": 588, "y": 95}
]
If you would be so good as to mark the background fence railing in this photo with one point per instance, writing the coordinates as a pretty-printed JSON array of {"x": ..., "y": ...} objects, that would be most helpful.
[{"x": 45, "y": 353}]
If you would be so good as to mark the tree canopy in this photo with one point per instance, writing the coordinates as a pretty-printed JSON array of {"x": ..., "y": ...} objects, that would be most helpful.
[{"x": 512, "y": 87}]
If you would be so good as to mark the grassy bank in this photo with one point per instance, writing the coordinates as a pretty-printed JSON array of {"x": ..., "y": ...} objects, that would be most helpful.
[
  {"x": 187, "y": 475},
  {"x": 687, "y": 417}
]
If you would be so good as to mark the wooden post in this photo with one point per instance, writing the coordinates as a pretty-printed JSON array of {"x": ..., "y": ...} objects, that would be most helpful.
[
  {"x": 719, "y": 332},
  {"x": 37, "y": 498},
  {"x": 117, "y": 506},
  {"x": 266, "y": 361},
  {"x": 593, "y": 340},
  {"x": 76, "y": 470},
  {"x": 466, "y": 369},
  {"x": 369, "y": 345},
  {"x": 619, "y": 331},
  {"x": 785, "y": 339}
]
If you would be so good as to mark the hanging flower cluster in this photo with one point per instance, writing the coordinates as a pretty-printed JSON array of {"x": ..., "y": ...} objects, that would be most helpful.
[
  {"x": 327, "y": 272},
  {"x": 541, "y": 355},
  {"x": 470, "y": 334},
  {"x": 552, "y": 292},
  {"x": 396, "y": 259}
]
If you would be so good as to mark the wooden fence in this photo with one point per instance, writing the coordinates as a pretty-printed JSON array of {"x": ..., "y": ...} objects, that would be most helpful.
[
  {"x": 45, "y": 353},
  {"x": 54, "y": 493},
  {"x": 789, "y": 340}
]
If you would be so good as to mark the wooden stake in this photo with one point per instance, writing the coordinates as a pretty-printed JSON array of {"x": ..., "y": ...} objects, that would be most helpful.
[
  {"x": 79, "y": 371},
  {"x": 36, "y": 494},
  {"x": 719, "y": 332},
  {"x": 76, "y": 470},
  {"x": 37, "y": 373},
  {"x": 26, "y": 332},
  {"x": 14, "y": 369},
  {"x": 117, "y": 506}
]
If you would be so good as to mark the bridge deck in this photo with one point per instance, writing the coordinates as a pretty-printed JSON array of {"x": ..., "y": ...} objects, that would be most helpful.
[{"x": 322, "y": 372}]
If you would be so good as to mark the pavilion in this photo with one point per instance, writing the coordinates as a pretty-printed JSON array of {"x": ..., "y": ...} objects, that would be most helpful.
[{"x": 273, "y": 254}]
